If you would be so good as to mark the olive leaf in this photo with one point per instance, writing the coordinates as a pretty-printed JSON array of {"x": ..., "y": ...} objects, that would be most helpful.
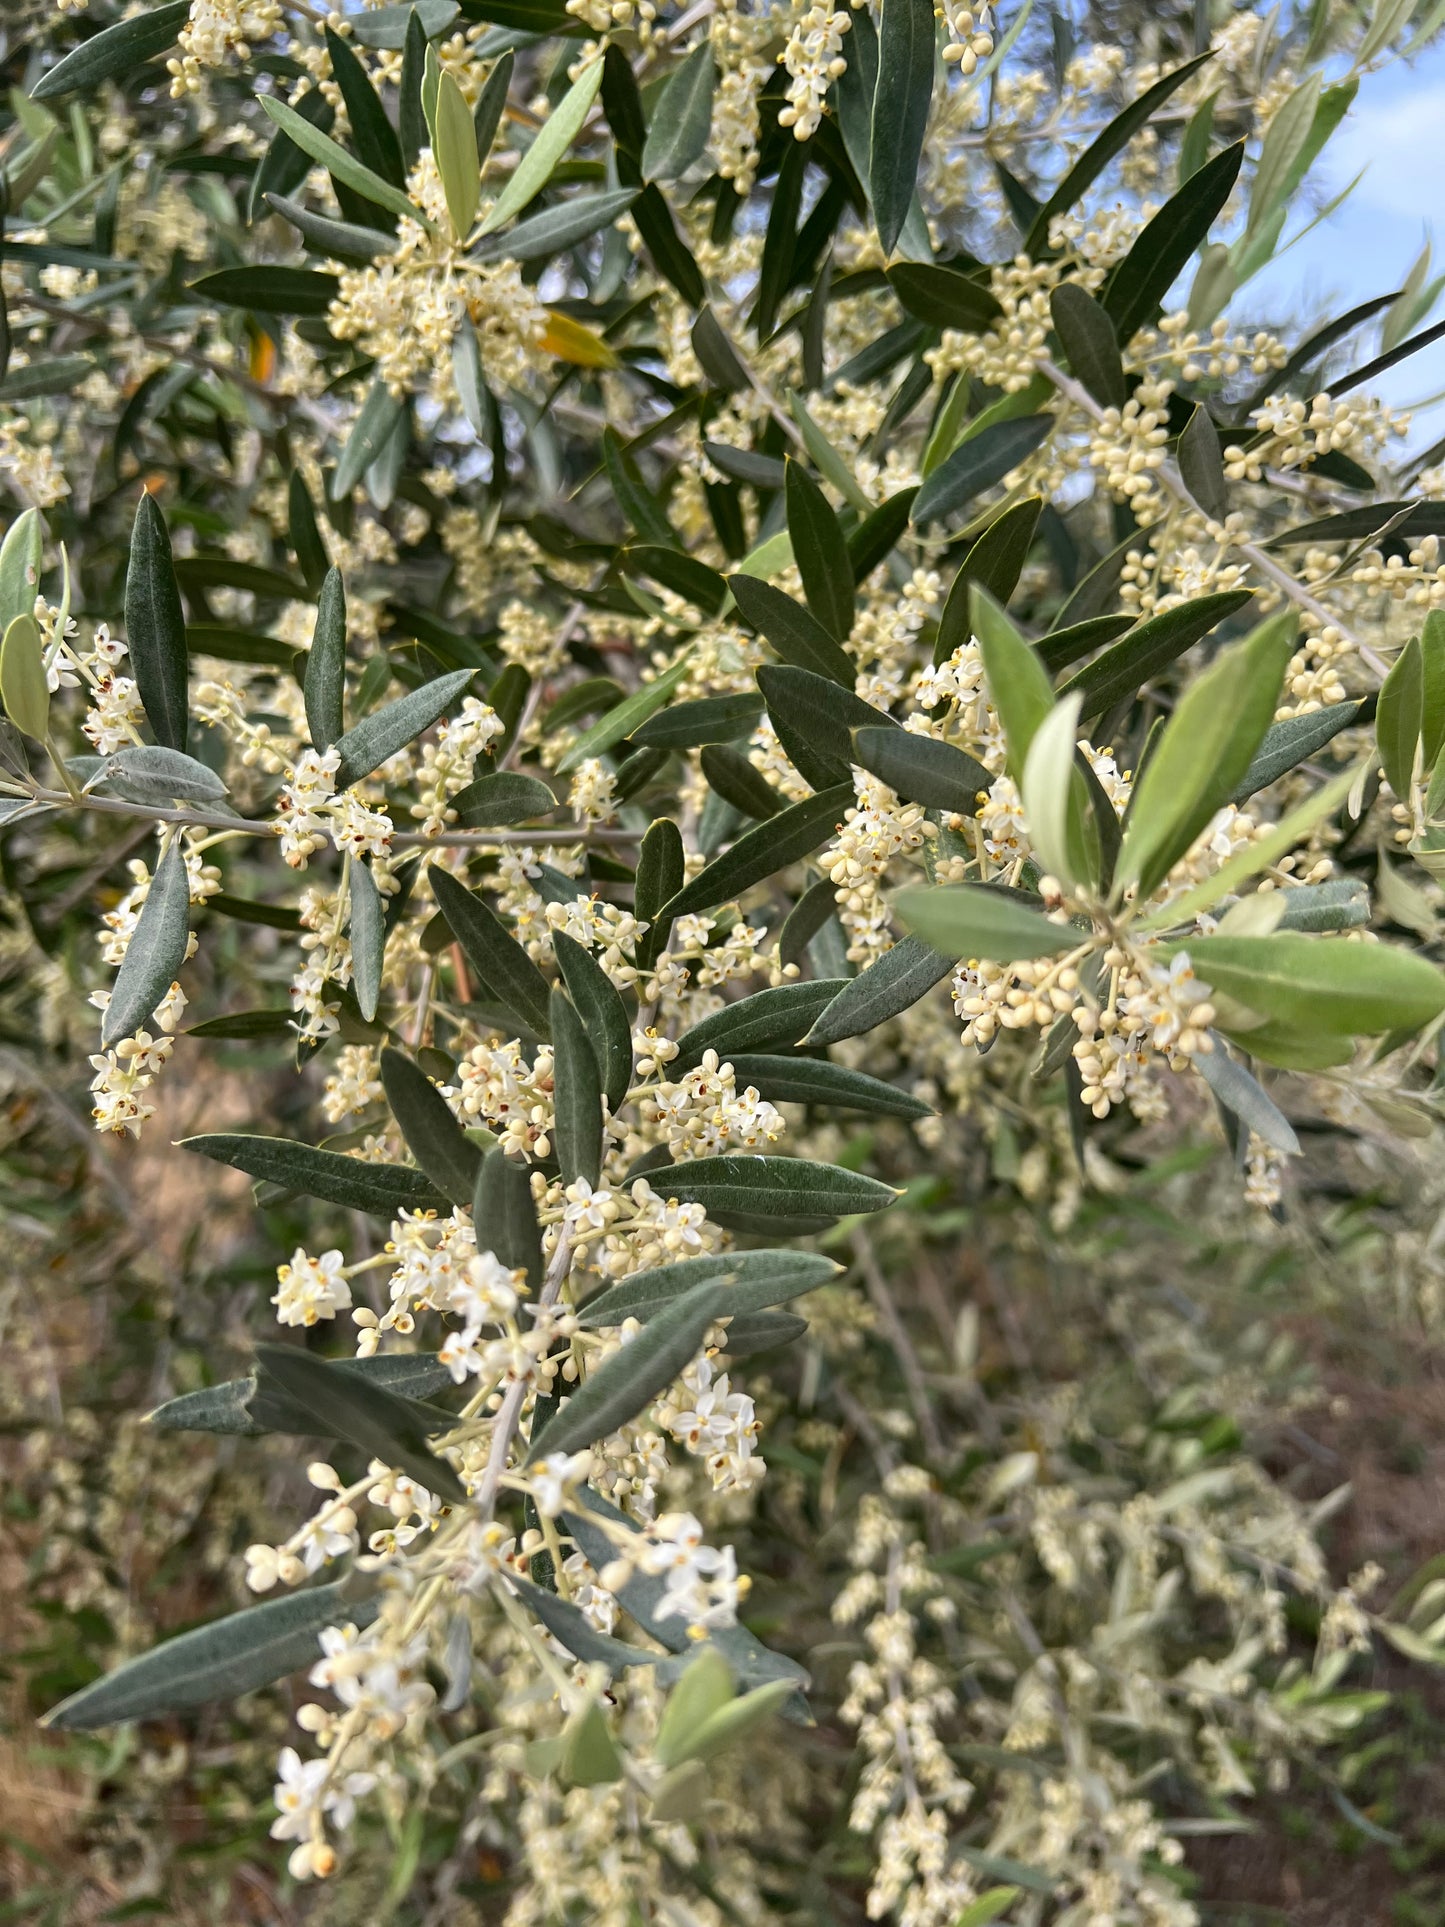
[
  {"x": 492, "y": 950},
  {"x": 1090, "y": 343},
  {"x": 502, "y": 796},
  {"x": 972, "y": 920},
  {"x": 343, "y": 167},
  {"x": 821, "y": 553},
  {"x": 907, "y": 50},
  {"x": 24, "y": 689},
  {"x": 505, "y": 1216},
  {"x": 1017, "y": 680},
  {"x": 156, "y": 950},
  {"x": 538, "y": 164},
  {"x": 893, "y": 984},
  {"x": 221, "y": 1661},
  {"x": 627, "y": 1381},
  {"x": 811, "y": 1080},
  {"x": 1400, "y": 716},
  {"x": 698, "y": 724},
  {"x": 753, "y": 1192},
  {"x": 1242, "y": 1094},
  {"x": 604, "y": 1015},
  {"x": 433, "y": 1136},
  {"x": 155, "y": 626},
  {"x": 923, "y": 769},
  {"x": 768, "y": 1020},
  {"x": 793, "y": 833},
  {"x": 324, "y": 686},
  {"x": 627, "y": 716},
  {"x": 682, "y": 118},
  {"x": 1321, "y": 985},
  {"x": 457, "y": 159},
  {"x": 357, "y": 1183},
  {"x": 977, "y": 464},
  {"x": 1137, "y": 284},
  {"x": 577, "y": 1096},
  {"x": 151, "y": 773},
  {"x": 378, "y": 737},
  {"x": 793, "y": 631},
  {"x": 238, "y": 1406},
  {"x": 1122, "y": 670},
  {"x": 21, "y": 554},
  {"x": 366, "y": 1415},
  {"x": 815, "y": 718},
  {"x": 114, "y": 50},
  {"x": 753, "y": 1281}
]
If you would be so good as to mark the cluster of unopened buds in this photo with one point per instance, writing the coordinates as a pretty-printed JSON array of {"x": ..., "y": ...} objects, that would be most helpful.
[
  {"x": 970, "y": 35},
  {"x": 310, "y": 813}
]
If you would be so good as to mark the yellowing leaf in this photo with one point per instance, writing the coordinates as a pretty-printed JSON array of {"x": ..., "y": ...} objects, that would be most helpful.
[{"x": 572, "y": 341}]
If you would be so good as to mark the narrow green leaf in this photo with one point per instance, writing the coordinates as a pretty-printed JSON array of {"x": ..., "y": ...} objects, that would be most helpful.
[
  {"x": 221, "y": 1661},
  {"x": 1201, "y": 463},
  {"x": 1090, "y": 344},
  {"x": 627, "y": 716},
  {"x": 368, "y": 939},
  {"x": 977, "y": 464},
  {"x": 538, "y": 164},
  {"x": 731, "y": 776},
  {"x": 768, "y": 1020},
  {"x": 370, "y": 433},
  {"x": 1400, "y": 716},
  {"x": 577, "y": 1107},
  {"x": 717, "y": 357},
  {"x": 505, "y": 1216},
  {"x": 995, "y": 562},
  {"x": 23, "y": 686},
  {"x": 236, "y": 1407},
  {"x": 1017, "y": 681},
  {"x": 1060, "y": 647},
  {"x": 753, "y": 1192},
  {"x": 1121, "y": 671},
  {"x": 371, "y": 132},
  {"x": 554, "y": 230},
  {"x": 457, "y": 159},
  {"x": 969, "y": 920},
  {"x": 705, "y": 720},
  {"x": 156, "y": 627},
  {"x": 815, "y": 718},
  {"x": 682, "y": 118},
  {"x": 1101, "y": 150},
  {"x": 304, "y": 533},
  {"x": 629, "y": 1380},
  {"x": 1053, "y": 799},
  {"x": 661, "y": 869},
  {"x": 341, "y": 165},
  {"x": 603, "y": 1013},
  {"x": 151, "y": 773},
  {"x": 57, "y": 375},
  {"x": 501, "y": 798},
  {"x": 1240, "y": 1093},
  {"x": 811, "y": 1080},
  {"x": 751, "y": 1281},
  {"x": 678, "y": 571},
  {"x": 1284, "y": 145},
  {"x": 156, "y": 951},
  {"x": 1204, "y": 751},
  {"x": 377, "y": 737},
  {"x": 1139, "y": 282},
  {"x": 820, "y": 552},
  {"x": 1432, "y": 677},
  {"x": 366, "y": 1415},
  {"x": 1321, "y": 984},
  {"x": 922, "y": 769},
  {"x": 324, "y": 685},
  {"x": 1287, "y": 744},
  {"x": 762, "y": 852},
  {"x": 433, "y": 1136},
  {"x": 270, "y": 290},
  {"x": 492, "y": 103},
  {"x": 943, "y": 297},
  {"x": 20, "y": 562},
  {"x": 893, "y": 984},
  {"x": 704, "y": 1688},
  {"x": 907, "y": 49},
  {"x": 114, "y": 50},
  {"x": 796, "y": 635},
  {"x": 356, "y": 1183},
  {"x": 493, "y": 951}
]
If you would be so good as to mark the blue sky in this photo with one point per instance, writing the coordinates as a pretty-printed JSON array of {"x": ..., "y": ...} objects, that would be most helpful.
[{"x": 1396, "y": 133}]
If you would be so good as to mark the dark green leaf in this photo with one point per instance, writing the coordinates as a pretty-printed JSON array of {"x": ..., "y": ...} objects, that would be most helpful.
[
  {"x": 751, "y": 1192},
  {"x": 304, "y": 534},
  {"x": 621, "y": 721},
  {"x": 600, "y": 1006},
  {"x": 366, "y": 1415},
  {"x": 682, "y": 117},
  {"x": 762, "y": 852},
  {"x": 246, "y": 1024},
  {"x": 922, "y": 769},
  {"x": 627, "y": 1382},
  {"x": 820, "y": 553},
  {"x": 541, "y": 236},
  {"x": 751, "y": 1281},
  {"x": 432, "y": 1133},
  {"x": 877, "y": 534},
  {"x": 977, "y": 464},
  {"x": 894, "y": 984},
  {"x": 745, "y": 465},
  {"x": 1356, "y": 525},
  {"x": 733, "y": 778},
  {"x": 1121, "y": 671},
  {"x": 269, "y": 290},
  {"x": 669, "y": 253},
  {"x": 798, "y": 637},
  {"x": 995, "y": 562},
  {"x": 811, "y": 1080},
  {"x": 680, "y": 572},
  {"x": 806, "y": 918},
  {"x": 1399, "y": 717},
  {"x": 660, "y": 872},
  {"x": 775, "y": 269},
  {"x": 114, "y": 50},
  {"x": 907, "y": 50},
  {"x": 156, "y": 950},
  {"x": 1102, "y": 149},
  {"x": 1090, "y": 343},
  {"x": 390, "y": 27},
  {"x": 233, "y": 1406},
  {"x": 1202, "y": 464},
  {"x": 324, "y": 686},
  {"x": 156, "y": 627},
  {"x": 371, "y": 132},
  {"x": 370, "y": 433},
  {"x": 492, "y": 950},
  {"x": 768, "y": 1020},
  {"x": 763, "y": 1331},
  {"x": 815, "y": 718},
  {"x": 356, "y": 1183},
  {"x": 1139, "y": 282},
  {"x": 378, "y": 737},
  {"x": 1060, "y": 647},
  {"x": 56, "y": 375},
  {"x": 1240, "y": 1093},
  {"x": 708, "y": 719},
  {"x": 503, "y": 797},
  {"x": 217, "y": 1662},
  {"x": 491, "y": 105},
  {"x": 505, "y": 1216},
  {"x": 717, "y": 357},
  {"x": 943, "y": 297},
  {"x": 577, "y": 1122}
]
